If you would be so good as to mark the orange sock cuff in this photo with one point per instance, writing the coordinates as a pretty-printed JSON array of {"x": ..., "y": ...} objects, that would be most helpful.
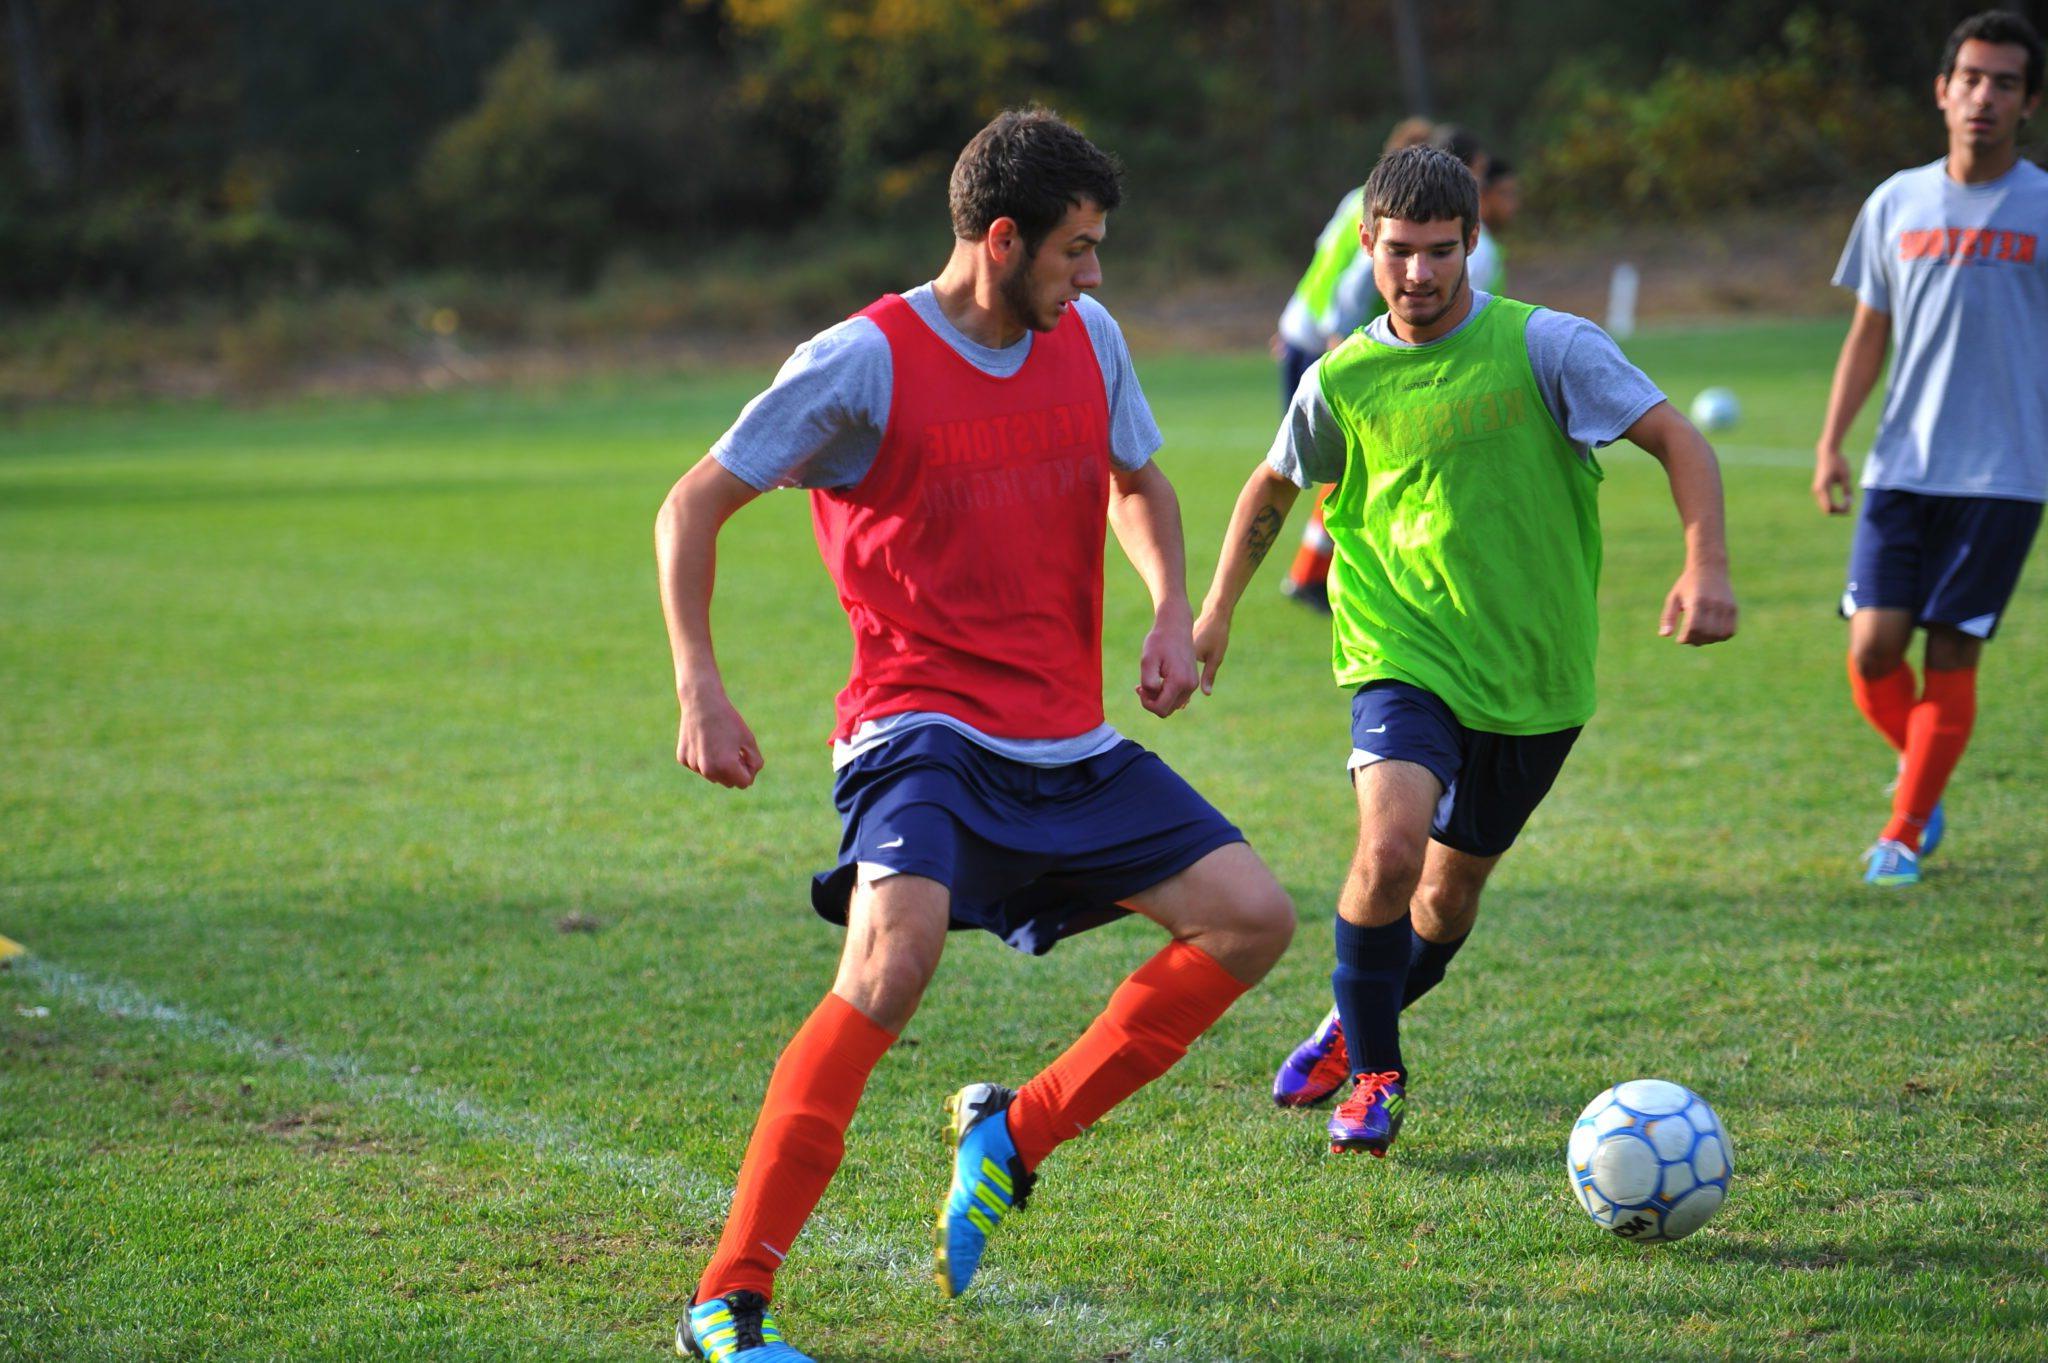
[
  {"x": 1311, "y": 565},
  {"x": 1937, "y": 732},
  {"x": 1150, "y": 1022},
  {"x": 797, "y": 1144},
  {"x": 1885, "y": 701}
]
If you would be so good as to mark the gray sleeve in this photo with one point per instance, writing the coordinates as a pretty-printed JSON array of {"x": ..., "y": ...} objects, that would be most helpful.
[
  {"x": 1310, "y": 447},
  {"x": 1133, "y": 435},
  {"x": 820, "y": 423},
  {"x": 1865, "y": 261},
  {"x": 1593, "y": 392}
]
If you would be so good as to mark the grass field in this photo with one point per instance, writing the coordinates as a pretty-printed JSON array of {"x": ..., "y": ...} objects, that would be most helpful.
[{"x": 318, "y": 721}]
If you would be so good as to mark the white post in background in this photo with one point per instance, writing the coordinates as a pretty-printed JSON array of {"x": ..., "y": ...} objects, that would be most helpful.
[{"x": 1621, "y": 301}]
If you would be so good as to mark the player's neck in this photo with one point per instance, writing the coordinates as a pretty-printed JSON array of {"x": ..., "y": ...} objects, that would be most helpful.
[
  {"x": 1452, "y": 318},
  {"x": 973, "y": 302},
  {"x": 1979, "y": 165}
]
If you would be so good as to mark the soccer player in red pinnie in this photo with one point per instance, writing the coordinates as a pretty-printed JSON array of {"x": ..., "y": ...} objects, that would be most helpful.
[
  {"x": 1949, "y": 270},
  {"x": 965, "y": 444}
]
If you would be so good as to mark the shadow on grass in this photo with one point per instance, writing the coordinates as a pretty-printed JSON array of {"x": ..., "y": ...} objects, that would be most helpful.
[{"x": 1856, "y": 1248}]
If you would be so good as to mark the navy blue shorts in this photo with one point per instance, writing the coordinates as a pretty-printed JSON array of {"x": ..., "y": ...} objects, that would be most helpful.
[
  {"x": 1031, "y": 854},
  {"x": 1492, "y": 782},
  {"x": 1949, "y": 560}
]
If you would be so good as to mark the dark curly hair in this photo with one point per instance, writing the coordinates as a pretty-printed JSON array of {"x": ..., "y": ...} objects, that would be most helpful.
[{"x": 1029, "y": 165}]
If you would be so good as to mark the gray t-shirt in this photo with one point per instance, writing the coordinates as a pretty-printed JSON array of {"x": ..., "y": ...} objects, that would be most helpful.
[
  {"x": 1963, "y": 272},
  {"x": 819, "y": 425},
  {"x": 1590, "y": 389}
]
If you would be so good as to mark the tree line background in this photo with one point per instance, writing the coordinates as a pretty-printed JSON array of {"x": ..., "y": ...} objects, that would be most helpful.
[{"x": 245, "y": 146}]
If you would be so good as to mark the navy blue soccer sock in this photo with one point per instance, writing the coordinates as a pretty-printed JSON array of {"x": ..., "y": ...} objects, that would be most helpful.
[
  {"x": 1426, "y": 962},
  {"x": 1371, "y": 974}
]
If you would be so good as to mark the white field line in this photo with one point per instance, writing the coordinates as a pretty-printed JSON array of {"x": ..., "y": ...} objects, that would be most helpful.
[
  {"x": 555, "y": 1140},
  {"x": 1089, "y": 1325}
]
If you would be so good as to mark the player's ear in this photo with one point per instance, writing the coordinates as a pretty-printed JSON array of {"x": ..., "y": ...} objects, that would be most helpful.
[
  {"x": 1004, "y": 240},
  {"x": 1472, "y": 238},
  {"x": 1365, "y": 226}
]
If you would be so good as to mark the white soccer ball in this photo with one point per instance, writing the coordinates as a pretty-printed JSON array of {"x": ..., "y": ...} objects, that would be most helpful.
[
  {"x": 1715, "y": 409},
  {"x": 1648, "y": 1160}
]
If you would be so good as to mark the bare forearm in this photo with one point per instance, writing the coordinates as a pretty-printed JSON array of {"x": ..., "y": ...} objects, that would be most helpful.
[
  {"x": 1255, "y": 524},
  {"x": 686, "y": 560},
  {"x": 686, "y": 564},
  {"x": 1695, "y": 478},
  {"x": 1145, "y": 513},
  {"x": 1856, "y": 373},
  {"x": 1702, "y": 599}
]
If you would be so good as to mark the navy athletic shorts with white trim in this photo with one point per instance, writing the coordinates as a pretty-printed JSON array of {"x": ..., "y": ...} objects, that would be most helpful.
[
  {"x": 1031, "y": 854},
  {"x": 1949, "y": 560},
  {"x": 1492, "y": 782}
]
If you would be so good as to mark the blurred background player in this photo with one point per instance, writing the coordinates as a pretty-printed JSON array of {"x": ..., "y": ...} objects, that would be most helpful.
[
  {"x": 1487, "y": 265},
  {"x": 966, "y": 445},
  {"x": 1334, "y": 298},
  {"x": 1949, "y": 270},
  {"x": 1500, "y": 199},
  {"x": 1459, "y": 430}
]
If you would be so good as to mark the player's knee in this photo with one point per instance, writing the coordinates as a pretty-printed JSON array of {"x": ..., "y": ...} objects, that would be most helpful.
[
  {"x": 1250, "y": 924},
  {"x": 1950, "y": 650},
  {"x": 1387, "y": 865},
  {"x": 1444, "y": 913},
  {"x": 1268, "y": 918},
  {"x": 1875, "y": 658},
  {"x": 887, "y": 981}
]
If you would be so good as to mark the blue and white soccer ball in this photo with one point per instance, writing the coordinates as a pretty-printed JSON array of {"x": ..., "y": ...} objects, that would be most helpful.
[
  {"x": 1649, "y": 1160},
  {"x": 1715, "y": 409}
]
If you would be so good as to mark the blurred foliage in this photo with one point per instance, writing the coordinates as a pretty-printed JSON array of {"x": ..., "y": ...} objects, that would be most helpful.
[
  {"x": 239, "y": 147},
  {"x": 1768, "y": 128},
  {"x": 552, "y": 168}
]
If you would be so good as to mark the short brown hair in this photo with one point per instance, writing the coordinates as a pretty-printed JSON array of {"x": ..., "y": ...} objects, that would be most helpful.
[
  {"x": 1422, "y": 184},
  {"x": 1029, "y": 165}
]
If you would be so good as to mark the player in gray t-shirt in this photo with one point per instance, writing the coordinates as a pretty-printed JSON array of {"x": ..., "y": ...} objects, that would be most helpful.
[{"x": 1947, "y": 264}]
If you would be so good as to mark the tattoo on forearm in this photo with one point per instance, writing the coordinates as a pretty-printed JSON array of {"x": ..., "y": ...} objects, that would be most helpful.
[{"x": 1259, "y": 537}]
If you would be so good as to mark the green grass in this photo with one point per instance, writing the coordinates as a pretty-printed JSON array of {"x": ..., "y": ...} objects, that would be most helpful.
[{"x": 318, "y": 718}]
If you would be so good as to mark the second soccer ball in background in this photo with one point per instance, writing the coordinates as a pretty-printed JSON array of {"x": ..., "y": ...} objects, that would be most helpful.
[{"x": 1715, "y": 409}]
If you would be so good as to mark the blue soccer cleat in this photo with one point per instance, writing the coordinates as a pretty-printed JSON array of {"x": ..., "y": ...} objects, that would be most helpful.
[
  {"x": 1317, "y": 1068},
  {"x": 1371, "y": 1117},
  {"x": 989, "y": 1181},
  {"x": 1891, "y": 863},
  {"x": 1930, "y": 836},
  {"x": 734, "y": 1328}
]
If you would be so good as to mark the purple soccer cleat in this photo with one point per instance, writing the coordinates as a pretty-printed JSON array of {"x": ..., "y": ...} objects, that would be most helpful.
[
  {"x": 1371, "y": 1117},
  {"x": 1317, "y": 1069}
]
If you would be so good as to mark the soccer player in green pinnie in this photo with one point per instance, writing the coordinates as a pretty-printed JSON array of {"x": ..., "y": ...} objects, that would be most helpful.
[{"x": 1459, "y": 432}]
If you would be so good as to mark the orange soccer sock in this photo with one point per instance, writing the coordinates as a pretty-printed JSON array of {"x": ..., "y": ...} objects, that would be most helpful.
[
  {"x": 1936, "y": 734},
  {"x": 1152, "y": 1019},
  {"x": 1311, "y": 566},
  {"x": 796, "y": 1146},
  {"x": 1885, "y": 701}
]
